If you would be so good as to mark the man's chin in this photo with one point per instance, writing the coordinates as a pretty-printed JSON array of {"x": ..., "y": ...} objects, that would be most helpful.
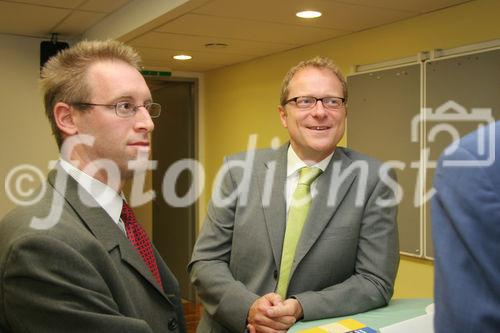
[
  {"x": 139, "y": 151},
  {"x": 322, "y": 147},
  {"x": 139, "y": 163},
  {"x": 322, "y": 151}
]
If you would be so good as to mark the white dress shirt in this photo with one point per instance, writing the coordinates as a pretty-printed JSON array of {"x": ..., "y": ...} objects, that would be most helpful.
[
  {"x": 293, "y": 165},
  {"x": 105, "y": 196}
]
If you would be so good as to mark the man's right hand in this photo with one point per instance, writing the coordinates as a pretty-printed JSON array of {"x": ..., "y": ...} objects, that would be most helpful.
[{"x": 260, "y": 322}]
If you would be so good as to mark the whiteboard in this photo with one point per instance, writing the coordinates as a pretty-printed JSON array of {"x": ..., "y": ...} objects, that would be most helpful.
[
  {"x": 380, "y": 110},
  {"x": 471, "y": 81}
]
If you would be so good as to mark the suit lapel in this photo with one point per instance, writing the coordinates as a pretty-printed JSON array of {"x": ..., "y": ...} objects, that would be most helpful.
[
  {"x": 100, "y": 224},
  {"x": 275, "y": 207},
  {"x": 321, "y": 211}
]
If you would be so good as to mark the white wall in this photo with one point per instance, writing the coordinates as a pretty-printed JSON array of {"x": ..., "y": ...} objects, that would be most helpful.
[{"x": 25, "y": 135}]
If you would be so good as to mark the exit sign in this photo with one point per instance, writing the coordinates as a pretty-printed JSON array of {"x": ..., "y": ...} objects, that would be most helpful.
[{"x": 156, "y": 73}]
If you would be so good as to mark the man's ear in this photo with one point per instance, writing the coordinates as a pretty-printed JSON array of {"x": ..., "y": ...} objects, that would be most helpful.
[
  {"x": 282, "y": 111},
  {"x": 64, "y": 119}
]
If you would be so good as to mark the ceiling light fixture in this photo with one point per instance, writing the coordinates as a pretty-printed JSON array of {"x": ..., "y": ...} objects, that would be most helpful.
[
  {"x": 216, "y": 45},
  {"x": 182, "y": 57},
  {"x": 308, "y": 14}
]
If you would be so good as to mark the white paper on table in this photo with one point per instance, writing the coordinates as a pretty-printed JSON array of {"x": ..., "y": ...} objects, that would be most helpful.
[{"x": 420, "y": 324}]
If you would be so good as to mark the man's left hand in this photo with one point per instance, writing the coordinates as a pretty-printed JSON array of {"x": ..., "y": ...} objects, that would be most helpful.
[{"x": 289, "y": 308}]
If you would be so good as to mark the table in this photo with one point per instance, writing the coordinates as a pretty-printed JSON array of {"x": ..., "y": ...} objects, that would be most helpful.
[{"x": 397, "y": 310}]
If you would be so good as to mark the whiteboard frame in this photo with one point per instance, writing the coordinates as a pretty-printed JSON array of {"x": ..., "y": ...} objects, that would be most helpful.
[{"x": 423, "y": 58}]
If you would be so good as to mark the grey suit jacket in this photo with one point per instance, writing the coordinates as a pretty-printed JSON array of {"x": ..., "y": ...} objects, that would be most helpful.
[
  {"x": 80, "y": 275},
  {"x": 346, "y": 259}
]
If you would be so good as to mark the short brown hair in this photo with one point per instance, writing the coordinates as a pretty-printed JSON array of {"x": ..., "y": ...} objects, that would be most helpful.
[
  {"x": 317, "y": 62},
  {"x": 63, "y": 77}
]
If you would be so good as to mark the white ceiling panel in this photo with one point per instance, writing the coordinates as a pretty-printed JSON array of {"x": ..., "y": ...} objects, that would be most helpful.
[
  {"x": 279, "y": 11},
  {"x": 29, "y": 20},
  {"x": 103, "y": 6},
  {"x": 197, "y": 43},
  {"x": 251, "y": 28},
  {"x": 421, "y": 6},
  {"x": 356, "y": 18},
  {"x": 54, "y": 3},
  {"x": 213, "y": 58},
  {"x": 336, "y": 15},
  {"x": 206, "y": 25},
  {"x": 77, "y": 22}
]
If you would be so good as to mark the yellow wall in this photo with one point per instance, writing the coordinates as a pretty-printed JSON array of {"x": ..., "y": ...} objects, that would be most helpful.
[
  {"x": 242, "y": 99},
  {"x": 25, "y": 132},
  {"x": 415, "y": 278}
]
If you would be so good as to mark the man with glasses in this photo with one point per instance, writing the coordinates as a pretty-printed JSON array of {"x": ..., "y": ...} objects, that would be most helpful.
[
  {"x": 77, "y": 260},
  {"x": 311, "y": 231}
]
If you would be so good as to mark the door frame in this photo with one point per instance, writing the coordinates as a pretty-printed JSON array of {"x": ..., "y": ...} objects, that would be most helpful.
[{"x": 194, "y": 218}]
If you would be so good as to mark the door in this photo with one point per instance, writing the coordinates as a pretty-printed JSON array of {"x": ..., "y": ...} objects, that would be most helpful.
[{"x": 174, "y": 140}]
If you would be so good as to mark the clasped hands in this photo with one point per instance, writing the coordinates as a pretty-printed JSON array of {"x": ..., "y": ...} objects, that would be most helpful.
[{"x": 271, "y": 314}]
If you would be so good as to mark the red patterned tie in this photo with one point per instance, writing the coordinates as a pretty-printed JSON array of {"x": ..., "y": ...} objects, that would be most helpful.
[{"x": 140, "y": 241}]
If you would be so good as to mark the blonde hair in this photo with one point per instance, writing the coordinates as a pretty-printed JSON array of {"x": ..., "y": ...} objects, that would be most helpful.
[
  {"x": 317, "y": 62},
  {"x": 63, "y": 77}
]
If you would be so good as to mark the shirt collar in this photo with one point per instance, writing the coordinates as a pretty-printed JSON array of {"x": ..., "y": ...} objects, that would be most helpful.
[
  {"x": 294, "y": 163},
  {"x": 105, "y": 196}
]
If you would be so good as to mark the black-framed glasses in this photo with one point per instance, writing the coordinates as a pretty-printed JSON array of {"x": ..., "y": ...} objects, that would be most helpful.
[
  {"x": 127, "y": 109},
  {"x": 308, "y": 102}
]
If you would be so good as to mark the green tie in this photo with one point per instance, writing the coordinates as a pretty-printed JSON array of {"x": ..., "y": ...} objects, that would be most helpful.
[{"x": 297, "y": 214}]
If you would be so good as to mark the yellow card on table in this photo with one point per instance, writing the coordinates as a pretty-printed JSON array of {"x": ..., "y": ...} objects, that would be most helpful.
[{"x": 342, "y": 326}]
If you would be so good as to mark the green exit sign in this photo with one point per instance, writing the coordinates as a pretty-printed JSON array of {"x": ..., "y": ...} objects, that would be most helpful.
[{"x": 156, "y": 73}]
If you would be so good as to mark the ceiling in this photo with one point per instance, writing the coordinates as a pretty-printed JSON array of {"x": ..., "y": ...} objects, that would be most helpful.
[{"x": 160, "y": 29}]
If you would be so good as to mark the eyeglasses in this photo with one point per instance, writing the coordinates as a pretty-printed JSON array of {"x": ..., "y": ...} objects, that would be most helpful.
[
  {"x": 127, "y": 109},
  {"x": 308, "y": 102}
]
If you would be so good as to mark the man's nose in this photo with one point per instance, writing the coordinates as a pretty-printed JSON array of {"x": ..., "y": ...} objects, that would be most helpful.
[
  {"x": 319, "y": 109},
  {"x": 144, "y": 121}
]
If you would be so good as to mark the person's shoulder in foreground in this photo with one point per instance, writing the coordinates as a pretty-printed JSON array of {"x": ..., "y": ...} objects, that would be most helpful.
[
  {"x": 76, "y": 260},
  {"x": 466, "y": 230}
]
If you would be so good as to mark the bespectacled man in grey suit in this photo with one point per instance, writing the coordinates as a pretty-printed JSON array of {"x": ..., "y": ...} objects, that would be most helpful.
[
  {"x": 77, "y": 260},
  {"x": 346, "y": 257}
]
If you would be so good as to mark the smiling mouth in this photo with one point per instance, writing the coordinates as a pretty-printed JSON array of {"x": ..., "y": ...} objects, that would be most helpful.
[{"x": 319, "y": 128}]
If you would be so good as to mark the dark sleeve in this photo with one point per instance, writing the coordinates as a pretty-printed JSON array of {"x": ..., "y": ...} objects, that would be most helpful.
[{"x": 48, "y": 286}]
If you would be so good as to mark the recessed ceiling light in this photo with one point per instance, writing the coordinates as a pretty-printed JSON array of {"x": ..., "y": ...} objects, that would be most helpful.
[
  {"x": 308, "y": 14},
  {"x": 182, "y": 57},
  {"x": 216, "y": 45}
]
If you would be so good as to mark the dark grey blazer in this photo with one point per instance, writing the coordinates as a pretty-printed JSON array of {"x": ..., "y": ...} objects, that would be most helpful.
[
  {"x": 346, "y": 259},
  {"x": 80, "y": 275}
]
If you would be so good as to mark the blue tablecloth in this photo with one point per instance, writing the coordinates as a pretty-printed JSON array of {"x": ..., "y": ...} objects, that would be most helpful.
[{"x": 397, "y": 310}]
